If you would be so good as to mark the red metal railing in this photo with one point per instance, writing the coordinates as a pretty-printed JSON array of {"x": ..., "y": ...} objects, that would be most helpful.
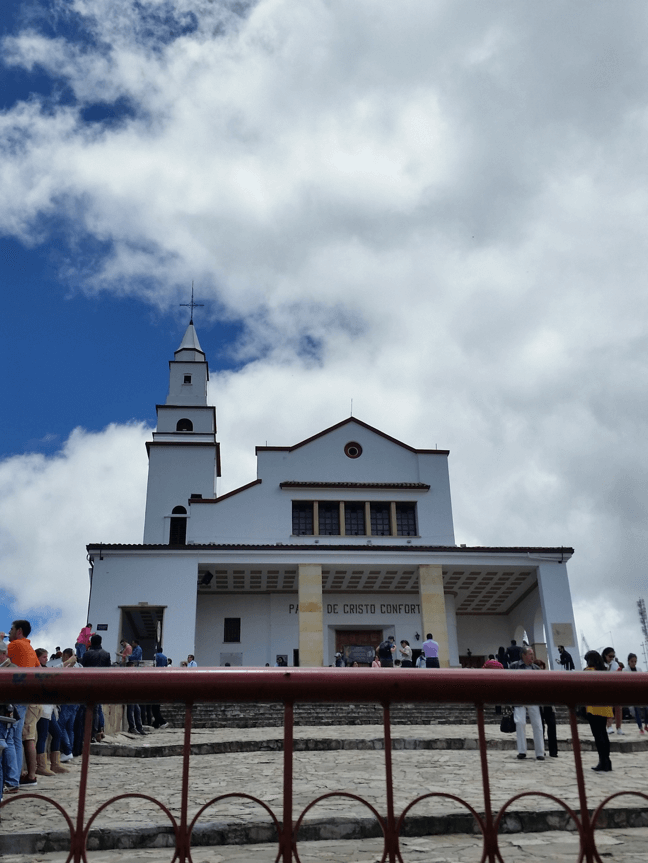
[{"x": 290, "y": 686}]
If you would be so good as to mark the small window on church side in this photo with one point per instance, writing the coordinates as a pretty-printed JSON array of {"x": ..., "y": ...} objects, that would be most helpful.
[
  {"x": 184, "y": 425},
  {"x": 187, "y": 379},
  {"x": 302, "y": 518},
  {"x": 178, "y": 526},
  {"x": 232, "y": 631}
]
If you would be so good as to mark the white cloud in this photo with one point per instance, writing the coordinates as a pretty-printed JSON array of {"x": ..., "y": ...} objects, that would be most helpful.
[
  {"x": 432, "y": 210},
  {"x": 51, "y": 507}
]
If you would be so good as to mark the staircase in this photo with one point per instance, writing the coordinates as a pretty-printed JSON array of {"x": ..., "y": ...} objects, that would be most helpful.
[{"x": 255, "y": 715}]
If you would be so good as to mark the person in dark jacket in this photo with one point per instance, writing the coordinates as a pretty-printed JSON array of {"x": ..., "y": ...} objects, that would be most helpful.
[
  {"x": 514, "y": 652},
  {"x": 565, "y": 659},
  {"x": 96, "y": 657}
]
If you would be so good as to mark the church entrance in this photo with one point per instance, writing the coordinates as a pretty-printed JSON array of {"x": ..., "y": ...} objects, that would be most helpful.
[
  {"x": 358, "y": 645},
  {"x": 144, "y": 623}
]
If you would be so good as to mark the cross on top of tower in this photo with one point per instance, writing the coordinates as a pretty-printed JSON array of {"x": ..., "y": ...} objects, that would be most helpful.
[{"x": 192, "y": 305}]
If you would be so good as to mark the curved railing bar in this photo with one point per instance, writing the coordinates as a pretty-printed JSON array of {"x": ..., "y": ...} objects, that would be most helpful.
[
  {"x": 601, "y": 806},
  {"x": 351, "y": 796},
  {"x": 580, "y": 825},
  {"x": 139, "y": 796},
  {"x": 454, "y": 797},
  {"x": 239, "y": 794},
  {"x": 34, "y": 795},
  {"x": 473, "y": 812},
  {"x": 565, "y": 806}
]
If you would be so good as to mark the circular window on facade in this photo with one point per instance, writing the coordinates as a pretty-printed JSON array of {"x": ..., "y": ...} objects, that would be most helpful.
[{"x": 353, "y": 450}]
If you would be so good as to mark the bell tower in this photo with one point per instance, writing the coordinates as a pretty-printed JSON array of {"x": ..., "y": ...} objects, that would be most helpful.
[{"x": 184, "y": 454}]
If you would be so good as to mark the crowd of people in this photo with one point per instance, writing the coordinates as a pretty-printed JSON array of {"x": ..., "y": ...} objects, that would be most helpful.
[
  {"x": 389, "y": 655},
  {"x": 39, "y": 739},
  {"x": 602, "y": 719}
]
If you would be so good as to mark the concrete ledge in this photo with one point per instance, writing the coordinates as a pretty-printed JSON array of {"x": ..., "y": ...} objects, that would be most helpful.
[{"x": 215, "y": 833}]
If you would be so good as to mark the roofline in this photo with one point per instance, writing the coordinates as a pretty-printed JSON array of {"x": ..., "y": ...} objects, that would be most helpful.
[
  {"x": 183, "y": 443},
  {"x": 563, "y": 551},
  {"x": 182, "y": 407},
  {"x": 227, "y": 494},
  {"x": 344, "y": 422},
  {"x": 404, "y": 486}
]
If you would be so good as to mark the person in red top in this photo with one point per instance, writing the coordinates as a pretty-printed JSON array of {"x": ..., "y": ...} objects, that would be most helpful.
[
  {"x": 21, "y": 653},
  {"x": 491, "y": 662},
  {"x": 83, "y": 641}
]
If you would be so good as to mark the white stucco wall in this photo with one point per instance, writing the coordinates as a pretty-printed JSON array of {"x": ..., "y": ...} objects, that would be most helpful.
[
  {"x": 269, "y": 627},
  {"x": 263, "y": 513},
  {"x": 187, "y": 394},
  {"x": 175, "y": 473},
  {"x": 203, "y": 419},
  {"x": 270, "y": 623},
  {"x": 482, "y": 634},
  {"x": 160, "y": 580}
]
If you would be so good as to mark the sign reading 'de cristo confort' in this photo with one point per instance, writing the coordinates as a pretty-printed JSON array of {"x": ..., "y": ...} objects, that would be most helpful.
[{"x": 358, "y": 608}]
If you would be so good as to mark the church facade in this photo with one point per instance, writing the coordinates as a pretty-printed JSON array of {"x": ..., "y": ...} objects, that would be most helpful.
[{"x": 342, "y": 539}]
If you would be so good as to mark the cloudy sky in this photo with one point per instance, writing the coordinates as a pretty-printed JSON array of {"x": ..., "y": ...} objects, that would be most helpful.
[{"x": 434, "y": 209}]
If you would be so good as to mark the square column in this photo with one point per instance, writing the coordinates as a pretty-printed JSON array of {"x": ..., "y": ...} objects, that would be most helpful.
[
  {"x": 433, "y": 610},
  {"x": 311, "y": 626},
  {"x": 557, "y": 611},
  {"x": 540, "y": 650},
  {"x": 451, "y": 622}
]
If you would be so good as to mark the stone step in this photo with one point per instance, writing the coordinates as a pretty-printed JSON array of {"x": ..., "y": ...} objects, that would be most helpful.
[
  {"x": 267, "y": 743},
  {"x": 222, "y": 832},
  {"x": 255, "y": 715}
]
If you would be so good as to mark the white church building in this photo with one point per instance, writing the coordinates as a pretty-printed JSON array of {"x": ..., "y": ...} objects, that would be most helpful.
[{"x": 341, "y": 540}]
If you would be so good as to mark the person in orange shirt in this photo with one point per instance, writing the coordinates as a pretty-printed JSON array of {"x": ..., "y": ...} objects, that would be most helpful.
[{"x": 21, "y": 653}]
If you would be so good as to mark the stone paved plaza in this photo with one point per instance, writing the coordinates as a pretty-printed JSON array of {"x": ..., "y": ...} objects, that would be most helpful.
[{"x": 358, "y": 771}]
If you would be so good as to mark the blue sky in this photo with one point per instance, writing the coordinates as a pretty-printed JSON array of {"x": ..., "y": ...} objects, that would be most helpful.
[
  {"x": 74, "y": 358},
  {"x": 431, "y": 209},
  {"x": 84, "y": 360}
]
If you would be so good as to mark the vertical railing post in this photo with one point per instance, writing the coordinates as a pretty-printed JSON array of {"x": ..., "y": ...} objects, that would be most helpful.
[
  {"x": 183, "y": 839},
  {"x": 286, "y": 839},
  {"x": 588, "y": 845},
  {"x": 79, "y": 838},
  {"x": 491, "y": 848},
  {"x": 391, "y": 838}
]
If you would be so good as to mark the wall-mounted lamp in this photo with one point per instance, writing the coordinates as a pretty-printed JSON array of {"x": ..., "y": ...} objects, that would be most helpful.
[
  {"x": 207, "y": 579},
  {"x": 417, "y": 636}
]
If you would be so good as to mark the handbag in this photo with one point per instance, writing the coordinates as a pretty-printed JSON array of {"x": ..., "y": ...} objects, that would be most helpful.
[{"x": 507, "y": 725}]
